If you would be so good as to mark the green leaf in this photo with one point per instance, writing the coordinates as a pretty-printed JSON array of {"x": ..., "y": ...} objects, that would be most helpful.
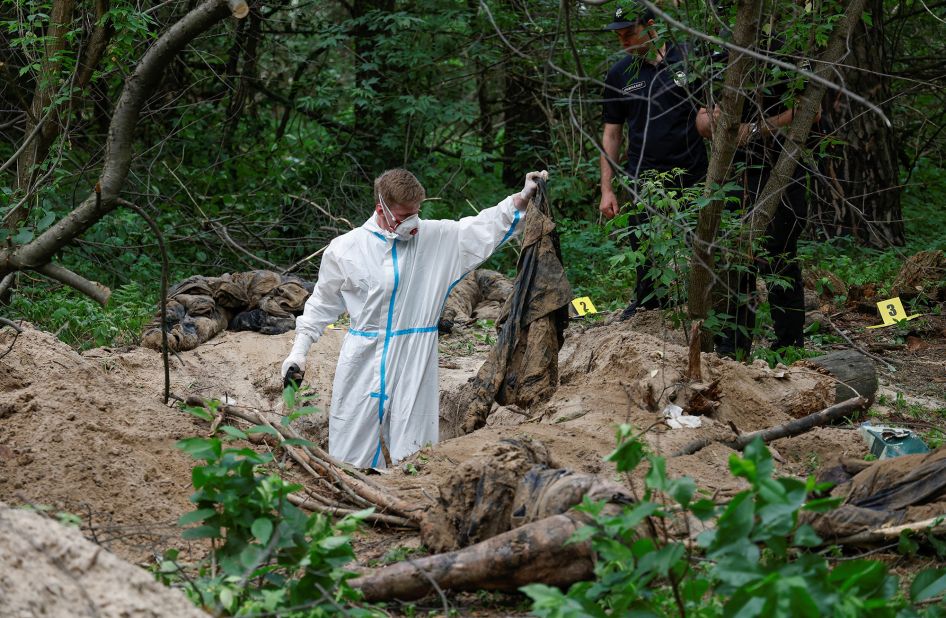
[
  {"x": 263, "y": 429},
  {"x": 226, "y": 598},
  {"x": 657, "y": 475},
  {"x": 682, "y": 490},
  {"x": 333, "y": 542},
  {"x": 262, "y": 529},
  {"x": 195, "y": 516},
  {"x": 233, "y": 431},
  {"x": 201, "y": 532},
  {"x": 629, "y": 452},
  {"x": 928, "y": 584},
  {"x": 200, "y": 412},
  {"x": 23, "y": 236},
  {"x": 806, "y": 536},
  {"x": 208, "y": 449},
  {"x": 298, "y": 442}
]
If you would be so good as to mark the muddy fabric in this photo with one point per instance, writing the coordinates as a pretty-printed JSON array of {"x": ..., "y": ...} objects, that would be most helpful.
[
  {"x": 476, "y": 501},
  {"x": 286, "y": 299},
  {"x": 262, "y": 322},
  {"x": 480, "y": 295},
  {"x": 245, "y": 289},
  {"x": 522, "y": 368},
  {"x": 893, "y": 491},
  {"x": 544, "y": 492},
  {"x": 507, "y": 485},
  {"x": 199, "y": 308}
]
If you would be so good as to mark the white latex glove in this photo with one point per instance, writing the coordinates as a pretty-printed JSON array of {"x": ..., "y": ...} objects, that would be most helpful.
[
  {"x": 297, "y": 360},
  {"x": 300, "y": 347},
  {"x": 531, "y": 185}
]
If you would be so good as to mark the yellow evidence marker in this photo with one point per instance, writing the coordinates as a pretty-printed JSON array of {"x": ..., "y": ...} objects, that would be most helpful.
[
  {"x": 891, "y": 310},
  {"x": 584, "y": 305}
]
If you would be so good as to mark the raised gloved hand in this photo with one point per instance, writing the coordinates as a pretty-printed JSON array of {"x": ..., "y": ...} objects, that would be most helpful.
[{"x": 531, "y": 185}]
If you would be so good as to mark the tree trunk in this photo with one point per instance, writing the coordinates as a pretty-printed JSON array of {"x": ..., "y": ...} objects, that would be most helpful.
[
  {"x": 725, "y": 135},
  {"x": 805, "y": 111},
  {"x": 536, "y": 552},
  {"x": 47, "y": 84},
  {"x": 527, "y": 131},
  {"x": 374, "y": 73},
  {"x": 139, "y": 85},
  {"x": 858, "y": 193}
]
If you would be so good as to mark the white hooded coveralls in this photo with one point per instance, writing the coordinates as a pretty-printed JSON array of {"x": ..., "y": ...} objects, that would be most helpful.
[{"x": 394, "y": 291}]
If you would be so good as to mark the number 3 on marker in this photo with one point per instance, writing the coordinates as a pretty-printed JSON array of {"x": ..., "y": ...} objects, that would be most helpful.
[{"x": 892, "y": 310}]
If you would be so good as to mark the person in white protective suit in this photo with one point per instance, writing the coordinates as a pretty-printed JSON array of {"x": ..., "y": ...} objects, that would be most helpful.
[{"x": 392, "y": 275}]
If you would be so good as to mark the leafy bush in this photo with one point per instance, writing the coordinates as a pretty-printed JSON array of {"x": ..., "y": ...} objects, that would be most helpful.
[
  {"x": 757, "y": 560},
  {"x": 80, "y": 321},
  {"x": 267, "y": 555}
]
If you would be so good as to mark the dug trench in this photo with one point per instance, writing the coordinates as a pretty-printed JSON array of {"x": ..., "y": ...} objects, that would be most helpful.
[{"x": 89, "y": 434}]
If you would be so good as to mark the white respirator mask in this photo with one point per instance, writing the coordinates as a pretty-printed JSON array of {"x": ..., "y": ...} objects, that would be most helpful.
[{"x": 403, "y": 230}]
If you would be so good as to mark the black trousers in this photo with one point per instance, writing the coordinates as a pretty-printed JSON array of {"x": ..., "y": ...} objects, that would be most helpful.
[
  {"x": 646, "y": 293},
  {"x": 779, "y": 259}
]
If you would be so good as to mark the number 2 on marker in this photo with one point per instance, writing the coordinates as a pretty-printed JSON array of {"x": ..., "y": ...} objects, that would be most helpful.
[{"x": 584, "y": 305}]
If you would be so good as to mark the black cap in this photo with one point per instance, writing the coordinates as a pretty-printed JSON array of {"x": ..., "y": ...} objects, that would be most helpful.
[{"x": 629, "y": 13}]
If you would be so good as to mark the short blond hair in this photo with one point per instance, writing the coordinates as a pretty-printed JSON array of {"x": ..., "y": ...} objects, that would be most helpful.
[{"x": 400, "y": 187}]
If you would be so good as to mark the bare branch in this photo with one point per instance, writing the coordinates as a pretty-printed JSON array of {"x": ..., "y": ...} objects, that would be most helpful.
[
  {"x": 138, "y": 87},
  {"x": 94, "y": 290},
  {"x": 11, "y": 324}
]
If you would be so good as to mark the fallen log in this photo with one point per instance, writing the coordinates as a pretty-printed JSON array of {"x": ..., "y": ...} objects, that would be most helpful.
[
  {"x": 854, "y": 372},
  {"x": 535, "y": 552},
  {"x": 785, "y": 430}
]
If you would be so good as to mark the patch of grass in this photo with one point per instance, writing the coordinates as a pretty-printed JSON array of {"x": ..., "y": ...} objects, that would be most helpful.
[{"x": 81, "y": 322}]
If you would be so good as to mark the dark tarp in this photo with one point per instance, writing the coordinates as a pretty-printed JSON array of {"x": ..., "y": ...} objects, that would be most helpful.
[
  {"x": 887, "y": 492},
  {"x": 198, "y": 308},
  {"x": 522, "y": 368}
]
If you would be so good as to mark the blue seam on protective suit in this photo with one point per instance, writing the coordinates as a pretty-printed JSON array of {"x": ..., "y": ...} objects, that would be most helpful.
[
  {"x": 512, "y": 228},
  {"x": 376, "y": 395},
  {"x": 379, "y": 235},
  {"x": 397, "y": 333},
  {"x": 414, "y": 331},
  {"x": 384, "y": 354}
]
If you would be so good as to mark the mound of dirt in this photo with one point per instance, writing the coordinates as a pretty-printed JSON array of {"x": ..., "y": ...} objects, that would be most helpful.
[
  {"x": 89, "y": 434},
  {"x": 47, "y": 569},
  {"x": 612, "y": 374}
]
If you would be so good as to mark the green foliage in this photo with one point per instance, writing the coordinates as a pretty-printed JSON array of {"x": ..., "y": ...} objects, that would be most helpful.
[
  {"x": 267, "y": 554},
  {"x": 82, "y": 322},
  {"x": 757, "y": 557}
]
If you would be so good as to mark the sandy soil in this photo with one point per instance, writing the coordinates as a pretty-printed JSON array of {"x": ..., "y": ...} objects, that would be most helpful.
[
  {"x": 51, "y": 570},
  {"x": 89, "y": 434}
]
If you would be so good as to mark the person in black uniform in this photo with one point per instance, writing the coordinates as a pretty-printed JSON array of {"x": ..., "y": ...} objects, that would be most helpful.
[
  {"x": 765, "y": 113},
  {"x": 648, "y": 90}
]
